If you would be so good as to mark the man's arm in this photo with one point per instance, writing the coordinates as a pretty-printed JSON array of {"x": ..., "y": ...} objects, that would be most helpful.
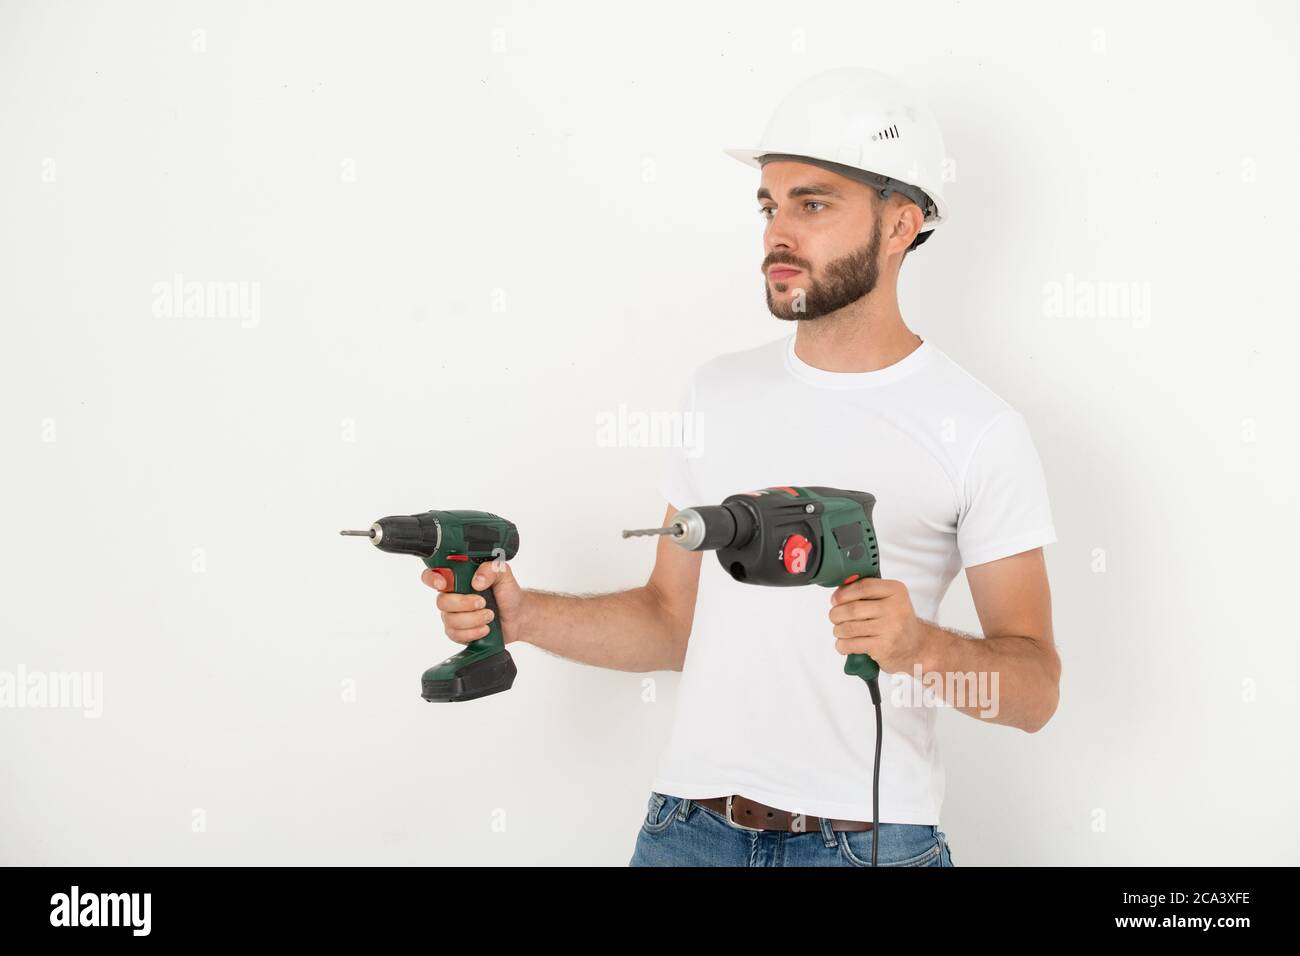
[
  {"x": 1013, "y": 600},
  {"x": 642, "y": 629},
  {"x": 1014, "y": 603}
]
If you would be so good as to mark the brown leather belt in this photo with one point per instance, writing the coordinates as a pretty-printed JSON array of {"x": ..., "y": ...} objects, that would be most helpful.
[{"x": 751, "y": 815}]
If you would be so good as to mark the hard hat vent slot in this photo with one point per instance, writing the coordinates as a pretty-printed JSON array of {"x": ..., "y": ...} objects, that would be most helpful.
[{"x": 890, "y": 132}]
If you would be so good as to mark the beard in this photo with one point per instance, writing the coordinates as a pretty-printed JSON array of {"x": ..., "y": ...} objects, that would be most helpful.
[{"x": 847, "y": 279}]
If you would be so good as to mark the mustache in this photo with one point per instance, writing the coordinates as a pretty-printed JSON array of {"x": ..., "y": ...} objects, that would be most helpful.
[{"x": 783, "y": 261}]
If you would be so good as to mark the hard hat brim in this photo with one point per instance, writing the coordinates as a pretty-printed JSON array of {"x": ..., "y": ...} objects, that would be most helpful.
[{"x": 747, "y": 156}]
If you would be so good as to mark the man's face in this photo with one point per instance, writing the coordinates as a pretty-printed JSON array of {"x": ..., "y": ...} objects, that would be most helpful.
[{"x": 821, "y": 241}]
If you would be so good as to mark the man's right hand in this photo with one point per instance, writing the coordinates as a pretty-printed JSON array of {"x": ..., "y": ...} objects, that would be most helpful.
[{"x": 464, "y": 616}]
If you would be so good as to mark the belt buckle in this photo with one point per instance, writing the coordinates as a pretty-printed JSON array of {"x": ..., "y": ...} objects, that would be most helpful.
[{"x": 732, "y": 821}]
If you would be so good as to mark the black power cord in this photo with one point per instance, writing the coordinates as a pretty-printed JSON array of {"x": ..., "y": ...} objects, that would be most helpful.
[{"x": 874, "y": 686}]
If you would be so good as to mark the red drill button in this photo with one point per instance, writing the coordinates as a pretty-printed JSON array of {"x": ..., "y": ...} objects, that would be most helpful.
[
  {"x": 795, "y": 553},
  {"x": 851, "y": 578},
  {"x": 447, "y": 576}
]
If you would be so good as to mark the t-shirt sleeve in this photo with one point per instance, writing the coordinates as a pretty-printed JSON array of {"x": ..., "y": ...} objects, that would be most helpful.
[
  {"x": 1005, "y": 509},
  {"x": 676, "y": 478}
]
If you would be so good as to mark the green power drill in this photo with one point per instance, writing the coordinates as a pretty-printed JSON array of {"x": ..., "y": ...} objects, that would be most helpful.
[
  {"x": 785, "y": 537},
  {"x": 454, "y": 544}
]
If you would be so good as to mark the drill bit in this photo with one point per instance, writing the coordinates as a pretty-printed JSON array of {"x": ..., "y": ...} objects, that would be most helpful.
[
  {"x": 675, "y": 529},
  {"x": 367, "y": 534}
]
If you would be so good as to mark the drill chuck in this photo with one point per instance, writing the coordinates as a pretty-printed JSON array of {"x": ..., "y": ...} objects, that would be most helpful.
[
  {"x": 404, "y": 534},
  {"x": 420, "y": 534},
  {"x": 714, "y": 527}
]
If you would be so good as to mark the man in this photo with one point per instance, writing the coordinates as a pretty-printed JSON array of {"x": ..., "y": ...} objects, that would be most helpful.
[{"x": 771, "y": 756}]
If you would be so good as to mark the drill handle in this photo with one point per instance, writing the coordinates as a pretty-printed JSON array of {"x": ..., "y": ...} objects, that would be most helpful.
[
  {"x": 484, "y": 666},
  {"x": 495, "y": 639},
  {"x": 459, "y": 575}
]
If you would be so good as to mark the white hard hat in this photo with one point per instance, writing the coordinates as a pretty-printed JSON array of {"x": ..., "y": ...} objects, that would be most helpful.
[{"x": 862, "y": 121}]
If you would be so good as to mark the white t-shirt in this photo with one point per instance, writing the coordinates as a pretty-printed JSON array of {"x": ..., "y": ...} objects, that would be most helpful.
[{"x": 764, "y": 708}]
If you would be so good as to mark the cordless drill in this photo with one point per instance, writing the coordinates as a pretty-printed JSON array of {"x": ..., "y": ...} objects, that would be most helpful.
[
  {"x": 454, "y": 544},
  {"x": 788, "y": 536}
]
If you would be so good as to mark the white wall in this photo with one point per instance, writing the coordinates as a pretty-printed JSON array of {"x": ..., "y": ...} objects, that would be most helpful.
[{"x": 469, "y": 243}]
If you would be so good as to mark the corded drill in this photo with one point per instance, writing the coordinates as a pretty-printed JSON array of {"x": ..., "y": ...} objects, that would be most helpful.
[
  {"x": 788, "y": 536},
  {"x": 454, "y": 544}
]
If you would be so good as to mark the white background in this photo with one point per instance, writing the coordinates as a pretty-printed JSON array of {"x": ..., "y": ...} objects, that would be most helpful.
[{"x": 475, "y": 230}]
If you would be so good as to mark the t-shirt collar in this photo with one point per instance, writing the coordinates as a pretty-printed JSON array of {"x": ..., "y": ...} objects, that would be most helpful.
[{"x": 905, "y": 366}]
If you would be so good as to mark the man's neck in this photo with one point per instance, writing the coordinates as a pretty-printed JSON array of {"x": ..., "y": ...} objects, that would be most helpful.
[{"x": 862, "y": 337}]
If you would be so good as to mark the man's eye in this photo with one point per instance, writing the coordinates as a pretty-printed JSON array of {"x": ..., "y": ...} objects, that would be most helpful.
[{"x": 766, "y": 211}]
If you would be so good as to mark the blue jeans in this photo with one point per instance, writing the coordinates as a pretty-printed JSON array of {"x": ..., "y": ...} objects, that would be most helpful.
[{"x": 680, "y": 832}]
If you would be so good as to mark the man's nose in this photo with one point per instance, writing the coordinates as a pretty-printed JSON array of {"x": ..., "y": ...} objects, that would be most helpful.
[{"x": 778, "y": 237}]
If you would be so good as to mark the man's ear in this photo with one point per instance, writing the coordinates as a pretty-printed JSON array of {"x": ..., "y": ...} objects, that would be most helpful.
[{"x": 907, "y": 220}]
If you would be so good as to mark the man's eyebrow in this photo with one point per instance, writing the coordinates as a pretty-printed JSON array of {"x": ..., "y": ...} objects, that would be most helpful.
[{"x": 811, "y": 189}]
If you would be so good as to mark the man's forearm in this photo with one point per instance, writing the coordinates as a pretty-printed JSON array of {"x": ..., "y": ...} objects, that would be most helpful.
[
  {"x": 626, "y": 630},
  {"x": 1025, "y": 690}
]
